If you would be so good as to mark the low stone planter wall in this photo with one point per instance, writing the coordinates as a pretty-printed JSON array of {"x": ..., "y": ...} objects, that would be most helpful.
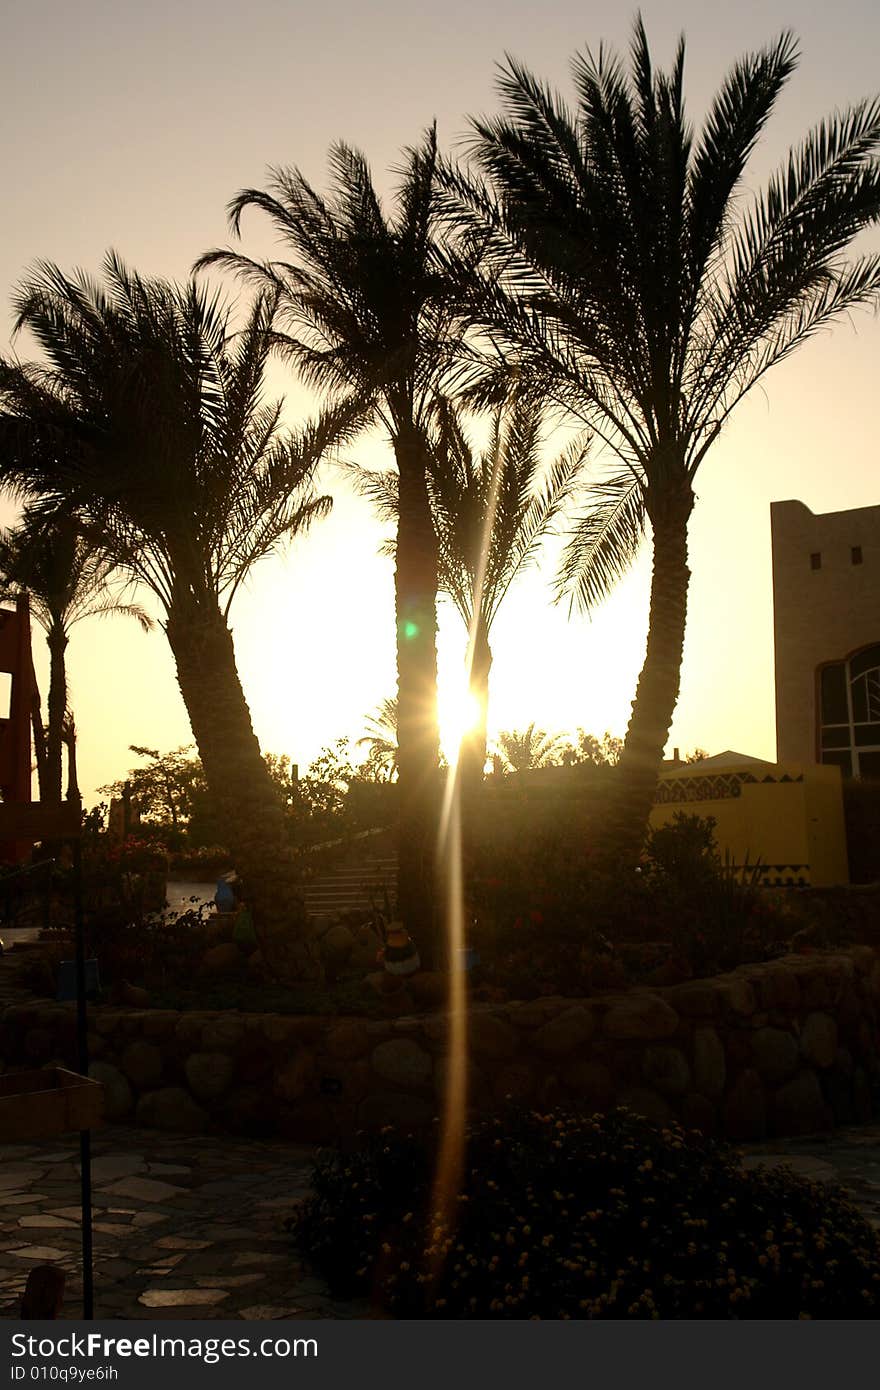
[{"x": 787, "y": 1047}]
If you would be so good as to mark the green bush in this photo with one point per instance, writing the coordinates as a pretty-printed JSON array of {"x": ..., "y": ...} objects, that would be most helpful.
[
  {"x": 574, "y": 1216},
  {"x": 550, "y": 920}
]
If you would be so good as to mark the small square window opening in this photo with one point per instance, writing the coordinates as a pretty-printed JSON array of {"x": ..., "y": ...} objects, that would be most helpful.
[
  {"x": 856, "y": 554},
  {"x": 816, "y": 560}
]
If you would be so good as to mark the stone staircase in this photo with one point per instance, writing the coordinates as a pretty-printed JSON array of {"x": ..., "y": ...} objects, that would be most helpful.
[{"x": 359, "y": 883}]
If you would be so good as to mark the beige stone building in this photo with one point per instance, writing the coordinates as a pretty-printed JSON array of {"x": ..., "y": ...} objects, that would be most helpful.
[{"x": 826, "y": 602}]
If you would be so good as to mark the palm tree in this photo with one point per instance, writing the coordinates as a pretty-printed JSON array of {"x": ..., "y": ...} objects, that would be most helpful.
[
  {"x": 491, "y": 513},
  {"x": 371, "y": 304},
  {"x": 67, "y": 577},
  {"x": 523, "y": 751},
  {"x": 150, "y": 419},
  {"x": 381, "y": 740},
  {"x": 635, "y": 280}
]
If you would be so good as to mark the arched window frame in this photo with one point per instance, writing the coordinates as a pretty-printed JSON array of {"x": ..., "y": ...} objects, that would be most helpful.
[{"x": 857, "y": 736}]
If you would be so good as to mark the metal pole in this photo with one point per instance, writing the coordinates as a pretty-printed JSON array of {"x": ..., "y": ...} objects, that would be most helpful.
[{"x": 85, "y": 1150}]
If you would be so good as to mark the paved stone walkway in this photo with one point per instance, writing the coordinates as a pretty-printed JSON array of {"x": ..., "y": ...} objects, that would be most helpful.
[
  {"x": 183, "y": 1227},
  {"x": 191, "y": 1228}
]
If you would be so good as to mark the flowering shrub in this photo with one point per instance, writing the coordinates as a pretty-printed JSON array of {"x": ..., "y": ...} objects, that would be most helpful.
[
  {"x": 207, "y": 859},
  {"x": 150, "y": 950},
  {"x": 549, "y": 920},
  {"x": 137, "y": 855},
  {"x": 574, "y": 1216}
]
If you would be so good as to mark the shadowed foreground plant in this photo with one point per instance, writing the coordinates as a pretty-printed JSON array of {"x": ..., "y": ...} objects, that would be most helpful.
[{"x": 575, "y": 1216}]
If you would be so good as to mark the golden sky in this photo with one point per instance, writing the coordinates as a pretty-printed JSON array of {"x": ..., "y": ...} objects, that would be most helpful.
[{"x": 131, "y": 126}]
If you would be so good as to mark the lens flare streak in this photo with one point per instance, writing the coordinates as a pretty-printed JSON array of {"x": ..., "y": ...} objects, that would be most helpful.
[{"x": 451, "y": 1148}]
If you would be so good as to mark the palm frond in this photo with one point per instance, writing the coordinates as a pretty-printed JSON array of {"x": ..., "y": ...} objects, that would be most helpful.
[{"x": 603, "y": 543}]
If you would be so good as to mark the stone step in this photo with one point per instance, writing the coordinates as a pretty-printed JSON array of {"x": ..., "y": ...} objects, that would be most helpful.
[{"x": 352, "y": 887}]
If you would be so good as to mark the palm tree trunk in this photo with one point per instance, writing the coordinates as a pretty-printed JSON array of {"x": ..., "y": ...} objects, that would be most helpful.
[
  {"x": 418, "y": 739},
  {"x": 474, "y": 751},
  {"x": 70, "y": 744},
  {"x": 40, "y": 748},
  {"x": 57, "y": 707},
  {"x": 241, "y": 791},
  {"x": 625, "y": 819}
]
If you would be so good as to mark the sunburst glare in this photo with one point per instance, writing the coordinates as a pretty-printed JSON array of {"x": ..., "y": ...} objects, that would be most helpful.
[{"x": 459, "y": 715}]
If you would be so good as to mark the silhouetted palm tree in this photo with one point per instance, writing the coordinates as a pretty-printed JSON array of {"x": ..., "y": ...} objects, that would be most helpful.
[
  {"x": 381, "y": 740},
  {"x": 371, "y": 307},
  {"x": 492, "y": 511},
  {"x": 648, "y": 294},
  {"x": 150, "y": 419},
  {"x": 67, "y": 577},
  {"x": 525, "y": 750}
]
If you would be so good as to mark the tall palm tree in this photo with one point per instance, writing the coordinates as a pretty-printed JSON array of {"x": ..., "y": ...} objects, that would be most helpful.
[
  {"x": 150, "y": 419},
  {"x": 370, "y": 304},
  {"x": 491, "y": 512},
  {"x": 67, "y": 577},
  {"x": 639, "y": 283},
  {"x": 524, "y": 750}
]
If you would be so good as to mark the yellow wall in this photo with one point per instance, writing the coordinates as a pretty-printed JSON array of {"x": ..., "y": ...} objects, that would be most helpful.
[{"x": 794, "y": 827}]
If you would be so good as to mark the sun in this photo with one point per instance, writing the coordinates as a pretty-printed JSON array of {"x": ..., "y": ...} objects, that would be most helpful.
[{"x": 458, "y": 713}]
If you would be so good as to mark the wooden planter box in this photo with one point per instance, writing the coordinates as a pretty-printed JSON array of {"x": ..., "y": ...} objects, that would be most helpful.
[{"x": 40, "y": 1104}]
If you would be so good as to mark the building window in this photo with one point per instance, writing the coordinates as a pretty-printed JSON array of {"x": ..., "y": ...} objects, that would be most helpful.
[
  {"x": 849, "y": 714},
  {"x": 816, "y": 560},
  {"x": 856, "y": 554}
]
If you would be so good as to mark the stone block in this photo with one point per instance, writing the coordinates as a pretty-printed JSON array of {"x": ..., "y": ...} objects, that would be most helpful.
[
  {"x": 142, "y": 1063},
  {"x": 171, "y": 1108},
  {"x": 645, "y": 1016},
  {"x": 774, "y": 1054},
  {"x": 697, "y": 1112},
  {"x": 567, "y": 1032},
  {"x": 819, "y": 1039},
  {"x": 744, "y": 1110},
  {"x": 710, "y": 1065},
  {"x": 666, "y": 1070},
  {"x": 221, "y": 1034},
  {"x": 118, "y": 1098},
  {"x": 347, "y": 1040},
  {"x": 590, "y": 1084},
  {"x": 209, "y": 1074},
  {"x": 295, "y": 1075},
  {"x": 736, "y": 995},
  {"x": 489, "y": 1036},
  {"x": 402, "y": 1062},
  {"x": 799, "y": 1106}
]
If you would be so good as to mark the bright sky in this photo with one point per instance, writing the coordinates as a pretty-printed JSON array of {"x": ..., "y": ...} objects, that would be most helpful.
[{"x": 131, "y": 126}]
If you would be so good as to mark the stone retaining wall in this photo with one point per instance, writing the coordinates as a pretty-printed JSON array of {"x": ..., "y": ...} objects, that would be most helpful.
[{"x": 787, "y": 1047}]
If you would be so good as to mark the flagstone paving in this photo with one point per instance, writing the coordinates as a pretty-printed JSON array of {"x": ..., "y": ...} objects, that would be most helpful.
[
  {"x": 183, "y": 1227},
  {"x": 191, "y": 1228}
]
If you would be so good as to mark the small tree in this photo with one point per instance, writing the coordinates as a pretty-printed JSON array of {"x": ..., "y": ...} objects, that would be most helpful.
[
  {"x": 68, "y": 576},
  {"x": 167, "y": 789},
  {"x": 380, "y": 741},
  {"x": 492, "y": 512},
  {"x": 531, "y": 748},
  {"x": 603, "y": 752}
]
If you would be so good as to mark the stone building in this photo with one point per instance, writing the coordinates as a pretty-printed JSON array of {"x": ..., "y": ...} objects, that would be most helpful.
[{"x": 826, "y": 602}]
